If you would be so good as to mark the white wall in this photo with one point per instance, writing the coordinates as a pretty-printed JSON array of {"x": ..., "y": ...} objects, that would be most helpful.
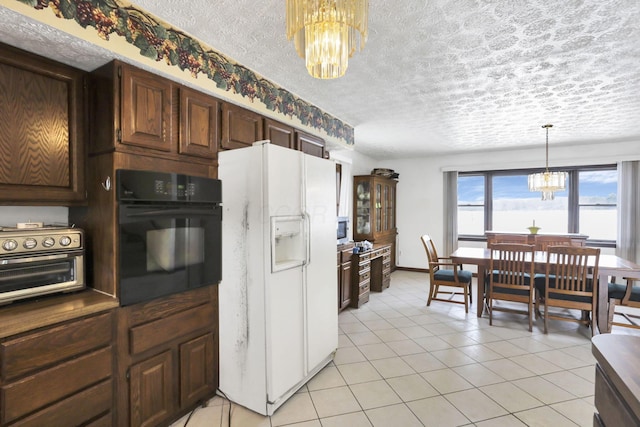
[
  {"x": 52, "y": 215},
  {"x": 420, "y": 187},
  {"x": 353, "y": 164}
]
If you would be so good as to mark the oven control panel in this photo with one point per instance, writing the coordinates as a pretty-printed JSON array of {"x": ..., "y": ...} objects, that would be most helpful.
[{"x": 40, "y": 240}]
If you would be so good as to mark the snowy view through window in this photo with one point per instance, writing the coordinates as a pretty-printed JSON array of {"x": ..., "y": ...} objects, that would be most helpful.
[{"x": 515, "y": 208}]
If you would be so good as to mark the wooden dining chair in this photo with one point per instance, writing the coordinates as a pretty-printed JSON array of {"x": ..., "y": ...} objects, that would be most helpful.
[
  {"x": 511, "y": 273},
  {"x": 621, "y": 299},
  {"x": 443, "y": 272},
  {"x": 569, "y": 282},
  {"x": 544, "y": 241}
]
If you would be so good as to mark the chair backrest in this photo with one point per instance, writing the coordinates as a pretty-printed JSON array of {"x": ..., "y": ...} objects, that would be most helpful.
[
  {"x": 543, "y": 242},
  {"x": 575, "y": 268},
  {"x": 509, "y": 238},
  {"x": 511, "y": 264},
  {"x": 432, "y": 254},
  {"x": 627, "y": 298}
]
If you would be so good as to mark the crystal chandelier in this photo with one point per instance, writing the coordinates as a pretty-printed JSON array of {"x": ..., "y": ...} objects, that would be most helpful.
[
  {"x": 326, "y": 33},
  {"x": 547, "y": 182}
]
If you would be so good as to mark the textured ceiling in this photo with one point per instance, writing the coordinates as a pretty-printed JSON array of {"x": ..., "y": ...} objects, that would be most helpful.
[{"x": 436, "y": 76}]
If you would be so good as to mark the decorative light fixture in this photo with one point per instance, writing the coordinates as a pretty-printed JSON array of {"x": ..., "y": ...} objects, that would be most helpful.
[
  {"x": 547, "y": 182},
  {"x": 326, "y": 33}
]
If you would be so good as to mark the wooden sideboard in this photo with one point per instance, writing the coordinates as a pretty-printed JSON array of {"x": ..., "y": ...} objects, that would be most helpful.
[
  {"x": 617, "y": 391},
  {"x": 370, "y": 271},
  {"x": 576, "y": 239}
]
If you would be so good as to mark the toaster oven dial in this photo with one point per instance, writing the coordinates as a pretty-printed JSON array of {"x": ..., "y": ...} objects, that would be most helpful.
[
  {"x": 30, "y": 243},
  {"x": 65, "y": 241},
  {"x": 9, "y": 245},
  {"x": 48, "y": 242}
]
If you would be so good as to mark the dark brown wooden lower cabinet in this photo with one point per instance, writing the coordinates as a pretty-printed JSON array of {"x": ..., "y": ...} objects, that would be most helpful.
[
  {"x": 196, "y": 369},
  {"x": 75, "y": 410},
  {"x": 167, "y": 357},
  {"x": 345, "y": 285},
  {"x": 151, "y": 396},
  {"x": 59, "y": 375}
]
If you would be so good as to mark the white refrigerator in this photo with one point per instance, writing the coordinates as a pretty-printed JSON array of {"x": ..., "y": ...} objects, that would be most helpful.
[{"x": 278, "y": 295}]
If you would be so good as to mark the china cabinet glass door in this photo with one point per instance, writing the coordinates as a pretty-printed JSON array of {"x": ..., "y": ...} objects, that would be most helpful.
[
  {"x": 363, "y": 208},
  {"x": 378, "y": 201}
]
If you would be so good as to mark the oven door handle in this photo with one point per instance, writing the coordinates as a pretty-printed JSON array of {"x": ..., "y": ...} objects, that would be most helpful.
[
  {"x": 170, "y": 212},
  {"x": 22, "y": 260}
]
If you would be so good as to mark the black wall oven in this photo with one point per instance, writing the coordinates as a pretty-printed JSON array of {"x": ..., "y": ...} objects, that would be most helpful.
[{"x": 169, "y": 234}]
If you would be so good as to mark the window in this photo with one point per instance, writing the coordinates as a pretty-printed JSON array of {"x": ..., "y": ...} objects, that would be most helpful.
[
  {"x": 501, "y": 201},
  {"x": 597, "y": 204},
  {"x": 516, "y": 208},
  {"x": 470, "y": 204}
]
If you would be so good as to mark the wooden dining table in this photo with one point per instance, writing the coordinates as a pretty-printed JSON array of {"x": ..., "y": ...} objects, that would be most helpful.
[{"x": 609, "y": 265}]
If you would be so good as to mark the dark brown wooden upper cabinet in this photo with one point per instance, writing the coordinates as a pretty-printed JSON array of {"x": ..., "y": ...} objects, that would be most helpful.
[
  {"x": 146, "y": 109},
  {"x": 199, "y": 124},
  {"x": 310, "y": 144},
  {"x": 138, "y": 112},
  {"x": 279, "y": 134},
  {"x": 131, "y": 110},
  {"x": 42, "y": 131},
  {"x": 240, "y": 127}
]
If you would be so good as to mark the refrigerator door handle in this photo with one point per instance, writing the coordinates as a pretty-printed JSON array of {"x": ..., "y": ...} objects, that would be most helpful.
[{"x": 307, "y": 235}]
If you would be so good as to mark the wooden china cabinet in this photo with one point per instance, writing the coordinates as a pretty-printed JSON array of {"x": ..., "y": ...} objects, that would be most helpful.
[{"x": 374, "y": 213}]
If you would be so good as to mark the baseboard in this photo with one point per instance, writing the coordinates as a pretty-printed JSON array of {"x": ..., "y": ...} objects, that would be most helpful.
[{"x": 417, "y": 270}]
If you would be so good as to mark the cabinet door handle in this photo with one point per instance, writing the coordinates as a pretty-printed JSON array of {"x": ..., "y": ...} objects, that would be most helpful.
[{"x": 107, "y": 184}]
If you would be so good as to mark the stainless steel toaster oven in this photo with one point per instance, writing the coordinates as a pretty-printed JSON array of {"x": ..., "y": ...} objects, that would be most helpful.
[{"x": 40, "y": 261}]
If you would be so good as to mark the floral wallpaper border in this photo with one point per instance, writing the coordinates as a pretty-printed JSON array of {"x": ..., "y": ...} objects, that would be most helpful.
[{"x": 158, "y": 41}]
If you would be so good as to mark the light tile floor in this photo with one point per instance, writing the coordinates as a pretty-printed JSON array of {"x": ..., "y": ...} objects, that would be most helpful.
[{"x": 401, "y": 364}]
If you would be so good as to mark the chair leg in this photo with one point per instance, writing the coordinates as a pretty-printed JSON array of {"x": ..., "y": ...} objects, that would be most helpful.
[
  {"x": 490, "y": 312},
  {"x": 466, "y": 299},
  {"x": 490, "y": 306},
  {"x": 530, "y": 313},
  {"x": 432, "y": 289},
  {"x": 611, "y": 313},
  {"x": 546, "y": 316}
]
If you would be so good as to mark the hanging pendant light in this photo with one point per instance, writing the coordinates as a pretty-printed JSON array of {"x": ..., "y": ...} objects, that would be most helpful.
[
  {"x": 547, "y": 182},
  {"x": 326, "y": 33}
]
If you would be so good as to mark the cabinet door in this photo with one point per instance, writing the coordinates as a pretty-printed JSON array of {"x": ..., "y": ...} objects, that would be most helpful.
[
  {"x": 310, "y": 144},
  {"x": 387, "y": 208},
  {"x": 146, "y": 110},
  {"x": 42, "y": 131},
  {"x": 279, "y": 134},
  {"x": 345, "y": 285},
  {"x": 151, "y": 390},
  {"x": 196, "y": 369},
  {"x": 199, "y": 124},
  {"x": 240, "y": 127},
  {"x": 378, "y": 197},
  {"x": 391, "y": 207},
  {"x": 364, "y": 208}
]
